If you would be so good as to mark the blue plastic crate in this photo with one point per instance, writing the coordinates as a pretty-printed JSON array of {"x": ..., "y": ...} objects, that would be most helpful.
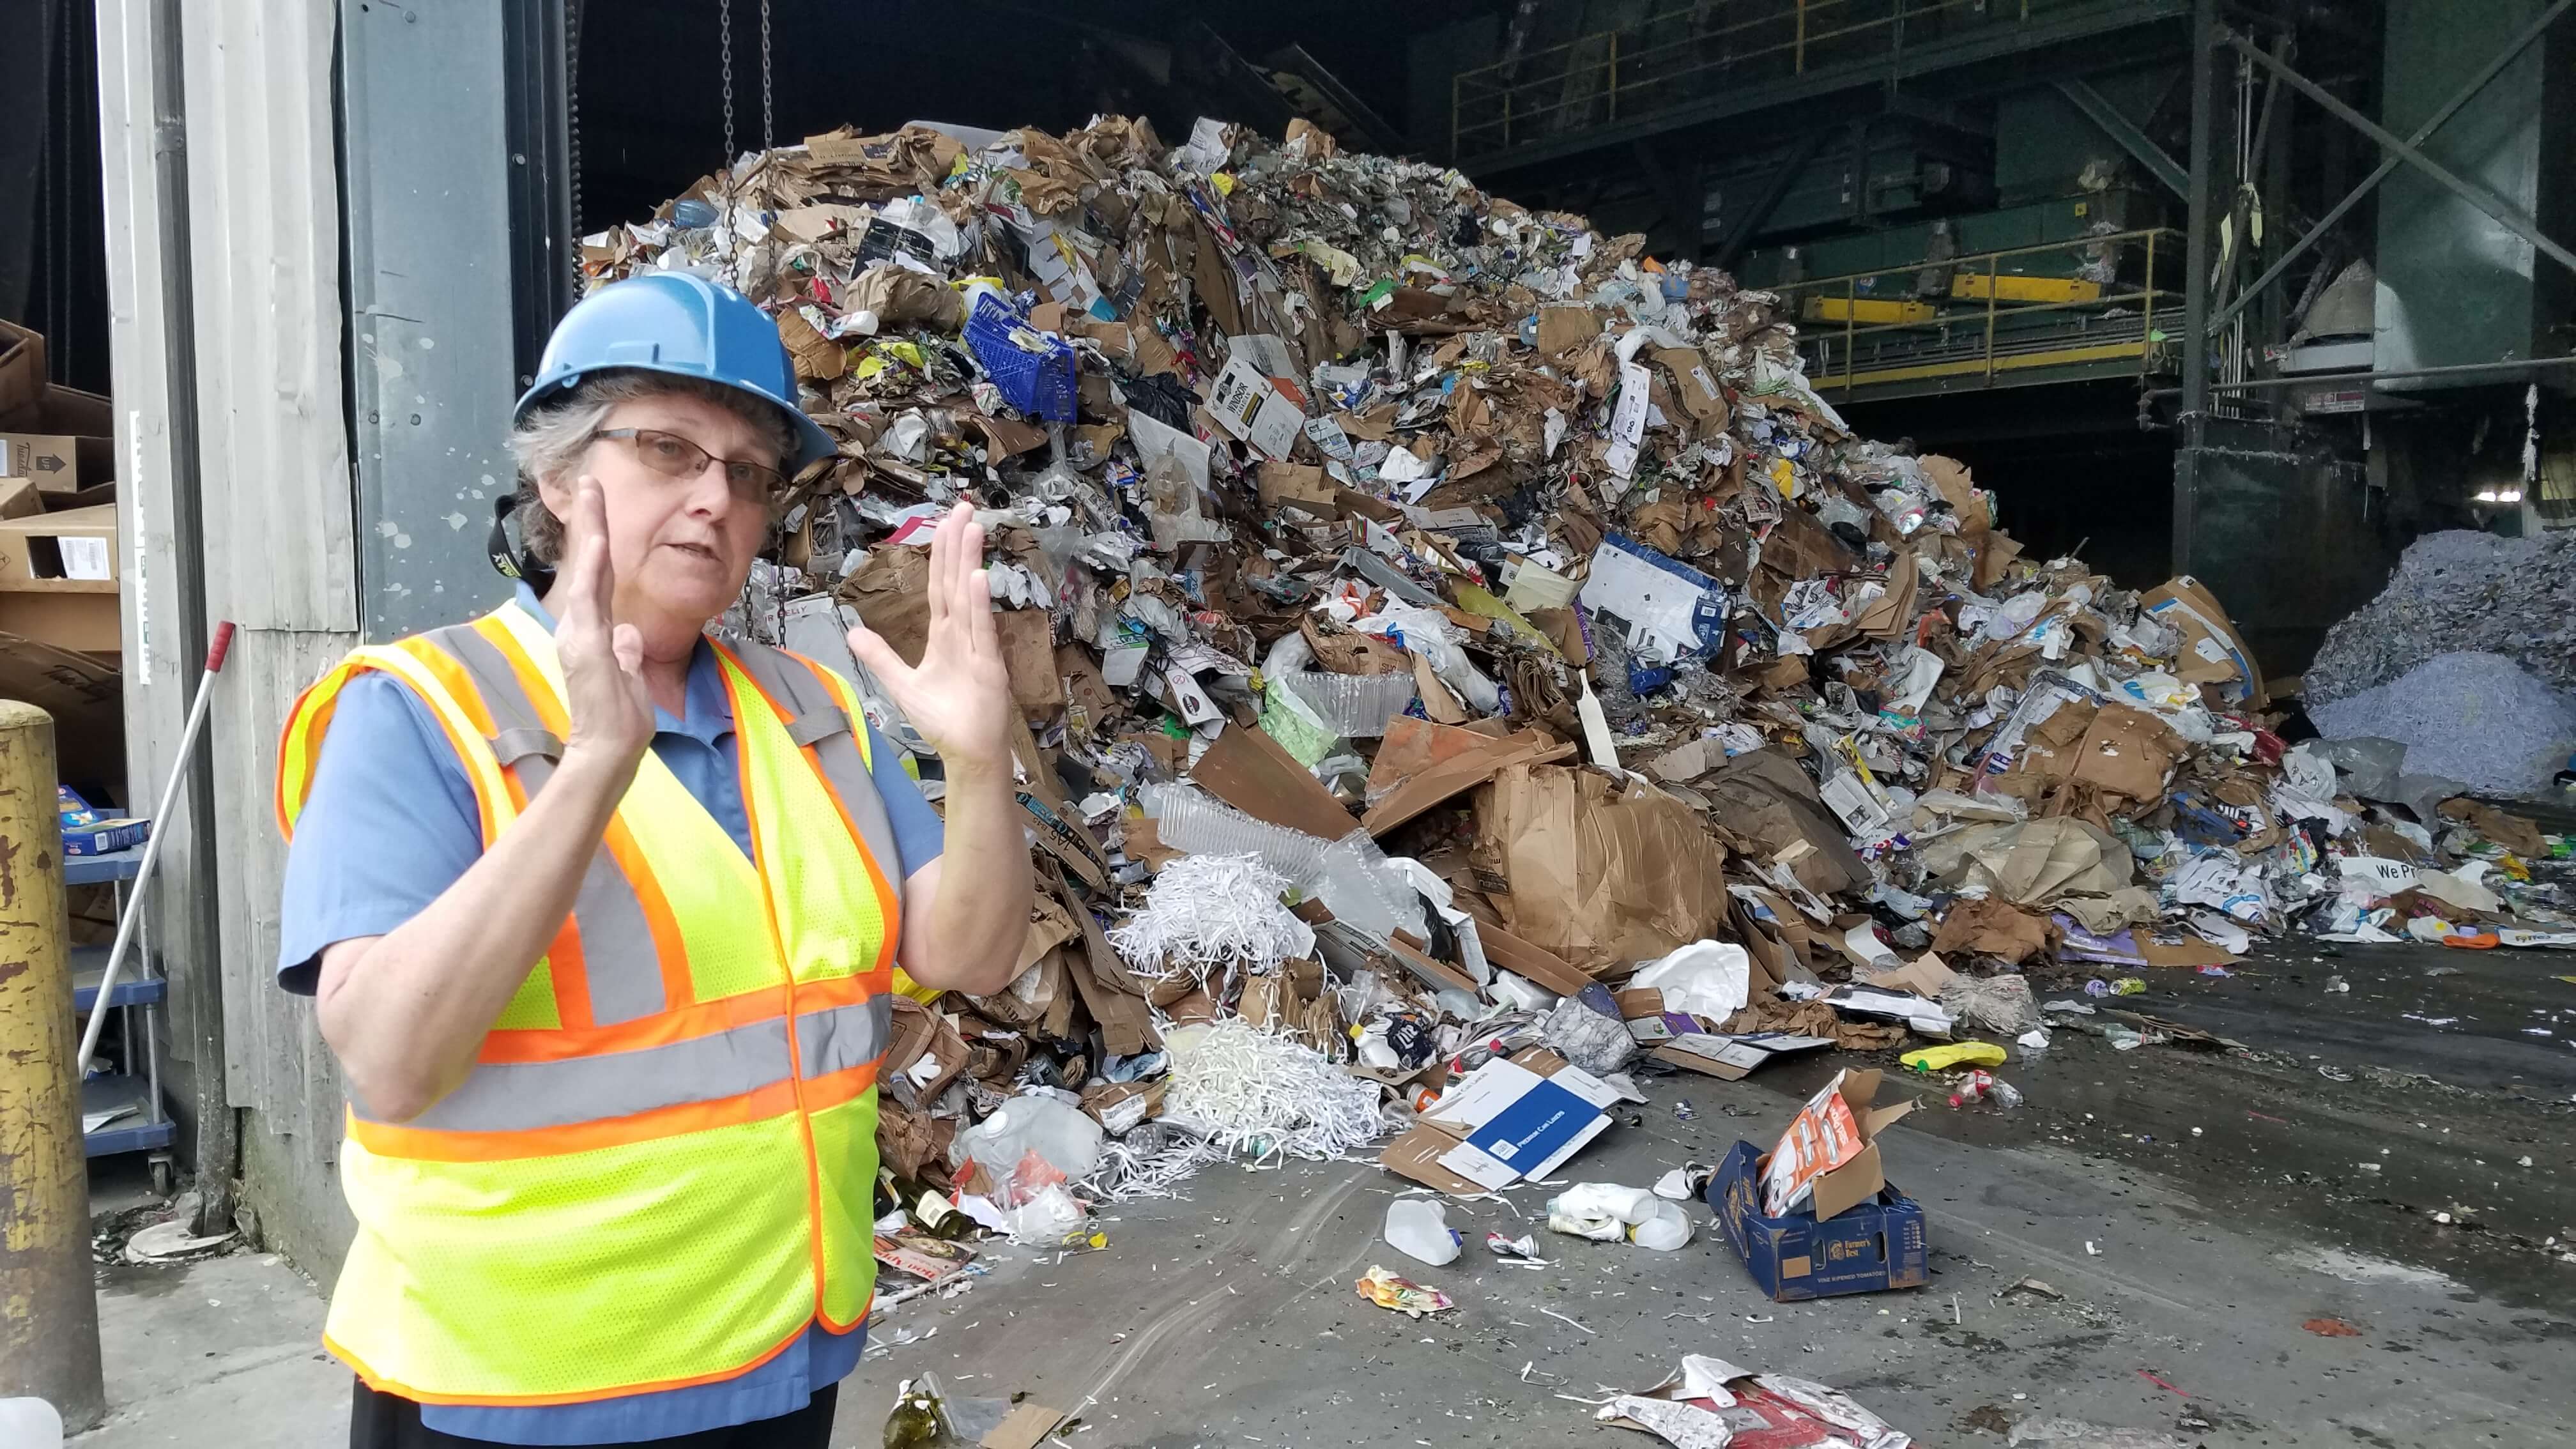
[{"x": 1033, "y": 369}]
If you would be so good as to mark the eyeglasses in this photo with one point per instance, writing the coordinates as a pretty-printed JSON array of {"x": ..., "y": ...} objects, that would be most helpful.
[{"x": 676, "y": 457}]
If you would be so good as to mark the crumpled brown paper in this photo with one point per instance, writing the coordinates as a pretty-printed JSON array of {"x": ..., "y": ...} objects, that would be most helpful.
[{"x": 1601, "y": 872}]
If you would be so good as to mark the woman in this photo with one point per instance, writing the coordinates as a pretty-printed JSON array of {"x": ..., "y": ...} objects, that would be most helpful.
[{"x": 602, "y": 917}]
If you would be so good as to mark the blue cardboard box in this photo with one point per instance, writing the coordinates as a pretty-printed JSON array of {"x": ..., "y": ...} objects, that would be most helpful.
[
  {"x": 1874, "y": 1246},
  {"x": 104, "y": 837}
]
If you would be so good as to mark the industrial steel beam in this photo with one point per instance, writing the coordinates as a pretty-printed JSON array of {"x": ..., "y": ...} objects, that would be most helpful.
[
  {"x": 1684, "y": 200},
  {"x": 1988, "y": 43},
  {"x": 2388, "y": 164},
  {"x": 2195, "y": 327},
  {"x": 2508, "y": 367},
  {"x": 2098, "y": 109},
  {"x": 1740, "y": 236},
  {"x": 2482, "y": 197}
]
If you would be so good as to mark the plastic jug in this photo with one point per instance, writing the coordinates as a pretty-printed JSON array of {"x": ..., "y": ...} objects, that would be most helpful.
[
  {"x": 1064, "y": 1140},
  {"x": 1419, "y": 1226},
  {"x": 29, "y": 1424}
]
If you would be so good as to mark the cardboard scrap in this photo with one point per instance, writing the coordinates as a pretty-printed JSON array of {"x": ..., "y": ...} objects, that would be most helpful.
[
  {"x": 2212, "y": 651},
  {"x": 1828, "y": 1159},
  {"x": 1733, "y": 1058},
  {"x": 1763, "y": 799},
  {"x": 1251, "y": 772},
  {"x": 1512, "y": 1118},
  {"x": 1025, "y": 1427},
  {"x": 1991, "y": 928},
  {"x": 1457, "y": 771}
]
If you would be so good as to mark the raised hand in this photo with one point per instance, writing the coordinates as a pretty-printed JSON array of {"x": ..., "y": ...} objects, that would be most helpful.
[
  {"x": 959, "y": 696},
  {"x": 603, "y": 662}
]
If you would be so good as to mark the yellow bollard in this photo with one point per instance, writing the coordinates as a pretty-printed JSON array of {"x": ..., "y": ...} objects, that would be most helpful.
[{"x": 48, "y": 1308}]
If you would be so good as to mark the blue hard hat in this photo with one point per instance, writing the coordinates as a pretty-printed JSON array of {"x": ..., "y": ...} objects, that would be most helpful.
[{"x": 684, "y": 325}]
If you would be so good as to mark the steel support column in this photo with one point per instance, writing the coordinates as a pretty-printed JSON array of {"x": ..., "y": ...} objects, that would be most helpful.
[
  {"x": 458, "y": 222},
  {"x": 49, "y": 1331},
  {"x": 2195, "y": 328}
]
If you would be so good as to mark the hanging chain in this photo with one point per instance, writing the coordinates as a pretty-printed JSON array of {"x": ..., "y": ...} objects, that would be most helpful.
[
  {"x": 768, "y": 127},
  {"x": 572, "y": 122},
  {"x": 724, "y": 43}
]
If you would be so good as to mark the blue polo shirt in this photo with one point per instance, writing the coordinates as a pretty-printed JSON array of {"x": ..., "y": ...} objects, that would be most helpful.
[{"x": 390, "y": 823}]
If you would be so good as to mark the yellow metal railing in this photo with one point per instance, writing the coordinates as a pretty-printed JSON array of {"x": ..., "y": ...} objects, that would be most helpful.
[
  {"x": 1845, "y": 295},
  {"x": 1616, "y": 72}
]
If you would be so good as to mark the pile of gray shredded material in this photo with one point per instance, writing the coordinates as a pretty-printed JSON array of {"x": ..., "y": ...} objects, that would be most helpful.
[
  {"x": 2458, "y": 591},
  {"x": 2480, "y": 719}
]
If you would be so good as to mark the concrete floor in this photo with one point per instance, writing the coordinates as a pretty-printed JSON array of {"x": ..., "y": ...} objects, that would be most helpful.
[{"x": 2188, "y": 1264}]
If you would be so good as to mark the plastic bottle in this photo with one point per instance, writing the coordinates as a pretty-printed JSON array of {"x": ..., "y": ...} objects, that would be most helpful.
[
  {"x": 1986, "y": 1087},
  {"x": 1419, "y": 1227},
  {"x": 973, "y": 289},
  {"x": 919, "y": 1420}
]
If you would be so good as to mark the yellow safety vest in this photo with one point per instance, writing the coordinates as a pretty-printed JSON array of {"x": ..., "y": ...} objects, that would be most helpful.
[{"x": 660, "y": 1171}]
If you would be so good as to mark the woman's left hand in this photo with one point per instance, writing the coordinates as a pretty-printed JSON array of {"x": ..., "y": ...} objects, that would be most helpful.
[{"x": 959, "y": 696}]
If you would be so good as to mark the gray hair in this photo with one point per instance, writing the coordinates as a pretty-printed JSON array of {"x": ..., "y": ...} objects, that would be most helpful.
[{"x": 554, "y": 435}]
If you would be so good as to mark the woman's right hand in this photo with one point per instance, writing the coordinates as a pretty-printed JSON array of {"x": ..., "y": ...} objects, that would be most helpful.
[{"x": 603, "y": 661}]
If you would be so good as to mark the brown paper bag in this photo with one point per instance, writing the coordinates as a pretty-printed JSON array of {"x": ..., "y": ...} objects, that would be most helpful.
[
  {"x": 891, "y": 591},
  {"x": 1601, "y": 873},
  {"x": 1027, "y": 637}
]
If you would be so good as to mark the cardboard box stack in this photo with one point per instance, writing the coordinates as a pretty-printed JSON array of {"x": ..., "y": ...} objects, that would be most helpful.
[{"x": 61, "y": 634}]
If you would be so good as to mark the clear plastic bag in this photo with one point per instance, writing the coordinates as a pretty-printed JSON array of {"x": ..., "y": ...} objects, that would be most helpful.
[{"x": 1028, "y": 1145}]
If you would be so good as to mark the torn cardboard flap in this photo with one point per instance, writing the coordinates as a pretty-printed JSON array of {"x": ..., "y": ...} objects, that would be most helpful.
[
  {"x": 1828, "y": 1159},
  {"x": 1926, "y": 976},
  {"x": 1251, "y": 772},
  {"x": 1733, "y": 1058},
  {"x": 1524, "y": 958},
  {"x": 2127, "y": 752},
  {"x": 1459, "y": 771},
  {"x": 1991, "y": 928},
  {"x": 2212, "y": 651}
]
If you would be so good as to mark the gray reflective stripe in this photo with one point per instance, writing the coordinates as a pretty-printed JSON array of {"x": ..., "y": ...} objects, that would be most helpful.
[
  {"x": 818, "y": 725},
  {"x": 512, "y": 711},
  {"x": 513, "y": 746},
  {"x": 620, "y": 963},
  {"x": 843, "y": 1037},
  {"x": 793, "y": 685},
  {"x": 618, "y": 957},
  {"x": 519, "y": 1096},
  {"x": 849, "y": 778}
]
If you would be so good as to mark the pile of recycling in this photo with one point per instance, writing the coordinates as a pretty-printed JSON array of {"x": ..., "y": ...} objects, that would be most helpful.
[
  {"x": 1444, "y": 631},
  {"x": 2465, "y": 659}
]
